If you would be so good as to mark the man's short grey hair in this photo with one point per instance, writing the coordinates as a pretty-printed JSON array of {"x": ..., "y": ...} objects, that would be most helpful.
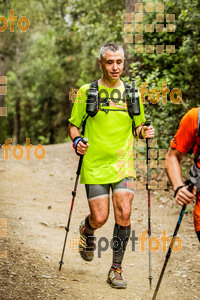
[{"x": 111, "y": 48}]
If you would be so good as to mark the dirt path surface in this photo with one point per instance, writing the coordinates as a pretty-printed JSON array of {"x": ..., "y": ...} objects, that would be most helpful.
[{"x": 35, "y": 199}]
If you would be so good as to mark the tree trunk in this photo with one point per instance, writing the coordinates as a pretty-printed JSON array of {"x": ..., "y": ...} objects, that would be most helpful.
[
  {"x": 3, "y": 71},
  {"x": 16, "y": 131},
  {"x": 129, "y": 8}
]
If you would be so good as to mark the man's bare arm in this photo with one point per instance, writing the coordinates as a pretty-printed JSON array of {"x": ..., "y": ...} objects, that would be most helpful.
[
  {"x": 74, "y": 132},
  {"x": 173, "y": 168}
]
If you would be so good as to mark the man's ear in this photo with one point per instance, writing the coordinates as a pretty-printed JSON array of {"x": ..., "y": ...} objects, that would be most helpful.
[{"x": 100, "y": 63}]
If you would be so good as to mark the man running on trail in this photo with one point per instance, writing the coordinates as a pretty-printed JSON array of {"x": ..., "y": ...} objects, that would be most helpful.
[
  {"x": 185, "y": 138},
  {"x": 108, "y": 159}
]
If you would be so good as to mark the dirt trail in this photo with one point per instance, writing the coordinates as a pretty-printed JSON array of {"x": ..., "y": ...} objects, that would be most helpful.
[{"x": 35, "y": 199}]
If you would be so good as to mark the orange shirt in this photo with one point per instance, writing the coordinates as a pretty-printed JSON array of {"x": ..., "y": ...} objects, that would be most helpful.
[
  {"x": 186, "y": 135},
  {"x": 184, "y": 139}
]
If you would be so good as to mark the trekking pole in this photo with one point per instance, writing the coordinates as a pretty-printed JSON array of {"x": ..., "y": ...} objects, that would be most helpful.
[
  {"x": 148, "y": 122},
  {"x": 190, "y": 188},
  {"x": 85, "y": 140}
]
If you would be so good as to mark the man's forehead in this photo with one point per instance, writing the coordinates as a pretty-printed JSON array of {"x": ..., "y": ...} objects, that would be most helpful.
[{"x": 113, "y": 55}]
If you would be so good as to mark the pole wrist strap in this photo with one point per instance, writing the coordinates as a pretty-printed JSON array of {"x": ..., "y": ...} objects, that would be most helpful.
[
  {"x": 177, "y": 189},
  {"x": 75, "y": 143}
]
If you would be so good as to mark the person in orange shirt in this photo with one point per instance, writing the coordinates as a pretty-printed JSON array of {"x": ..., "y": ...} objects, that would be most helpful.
[{"x": 185, "y": 138}]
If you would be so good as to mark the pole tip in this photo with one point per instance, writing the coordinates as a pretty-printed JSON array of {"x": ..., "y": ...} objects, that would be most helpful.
[
  {"x": 60, "y": 263},
  {"x": 150, "y": 279}
]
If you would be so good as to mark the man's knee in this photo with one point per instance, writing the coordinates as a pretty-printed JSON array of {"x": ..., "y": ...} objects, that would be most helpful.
[
  {"x": 100, "y": 219},
  {"x": 125, "y": 213}
]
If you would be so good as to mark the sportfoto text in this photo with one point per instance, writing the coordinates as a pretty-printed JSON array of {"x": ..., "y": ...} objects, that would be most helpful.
[{"x": 153, "y": 243}]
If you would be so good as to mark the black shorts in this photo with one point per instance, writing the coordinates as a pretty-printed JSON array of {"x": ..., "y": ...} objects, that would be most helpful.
[{"x": 95, "y": 191}]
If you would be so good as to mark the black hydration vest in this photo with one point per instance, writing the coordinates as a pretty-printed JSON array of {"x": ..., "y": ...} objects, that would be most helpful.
[{"x": 95, "y": 102}]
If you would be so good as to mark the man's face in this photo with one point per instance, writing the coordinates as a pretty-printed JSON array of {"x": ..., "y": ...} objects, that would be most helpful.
[{"x": 112, "y": 65}]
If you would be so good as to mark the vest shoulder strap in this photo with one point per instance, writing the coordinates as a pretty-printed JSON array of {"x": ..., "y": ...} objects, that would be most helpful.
[
  {"x": 94, "y": 85},
  {"x": 83, "y": 126},
  {"x": 127, "y": 88}
]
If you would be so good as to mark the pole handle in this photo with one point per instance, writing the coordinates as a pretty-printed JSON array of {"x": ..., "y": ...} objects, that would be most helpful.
[
  {"x": 147, "y": 123},
  {"x": 85, "y": 141},
  {"x": 190, "y": 187}
]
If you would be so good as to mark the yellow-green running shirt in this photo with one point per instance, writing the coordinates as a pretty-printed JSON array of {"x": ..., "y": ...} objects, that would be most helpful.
[{"x": 109, "y": 157}]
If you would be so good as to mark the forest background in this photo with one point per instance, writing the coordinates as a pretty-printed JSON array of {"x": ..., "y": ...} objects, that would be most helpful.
[{"x": 59, "y": 52}]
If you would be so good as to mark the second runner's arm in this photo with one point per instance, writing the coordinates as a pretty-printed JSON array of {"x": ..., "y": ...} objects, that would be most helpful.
[{"x": 173, "y": 168}]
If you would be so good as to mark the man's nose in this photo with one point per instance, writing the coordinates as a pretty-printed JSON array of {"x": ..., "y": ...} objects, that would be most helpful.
[{"x": 114, "y": 66}]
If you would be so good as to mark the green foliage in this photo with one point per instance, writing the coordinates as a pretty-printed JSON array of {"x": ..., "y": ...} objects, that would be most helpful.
[
  {"x": 60, "y": 52},
  {"x": 179, "y": 70}
]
